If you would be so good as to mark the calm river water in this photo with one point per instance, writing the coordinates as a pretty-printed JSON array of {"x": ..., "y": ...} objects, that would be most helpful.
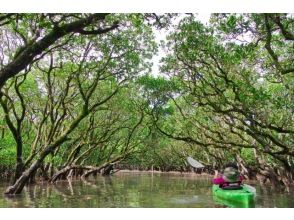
[{"x": 135, "y": 190}]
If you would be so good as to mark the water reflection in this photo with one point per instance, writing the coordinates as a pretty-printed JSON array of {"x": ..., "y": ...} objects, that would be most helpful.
[{"x": 134, "y": 190}]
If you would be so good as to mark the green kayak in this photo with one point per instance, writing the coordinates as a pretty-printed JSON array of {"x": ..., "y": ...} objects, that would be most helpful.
[{"x": 239, "y": 198}]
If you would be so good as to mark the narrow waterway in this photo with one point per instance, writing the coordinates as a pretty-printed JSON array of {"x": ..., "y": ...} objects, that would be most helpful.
[{"x": 135, "y": 189}]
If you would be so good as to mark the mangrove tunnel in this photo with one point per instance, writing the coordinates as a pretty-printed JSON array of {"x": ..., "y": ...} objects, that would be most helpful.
[{"x": 80, "y": 96}]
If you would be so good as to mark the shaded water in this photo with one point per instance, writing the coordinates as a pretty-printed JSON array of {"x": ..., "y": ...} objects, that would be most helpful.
[{"x": 134, "y": 190}]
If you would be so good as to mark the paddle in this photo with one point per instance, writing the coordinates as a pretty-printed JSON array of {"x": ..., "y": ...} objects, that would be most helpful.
[{"x": 194, "y": 163}]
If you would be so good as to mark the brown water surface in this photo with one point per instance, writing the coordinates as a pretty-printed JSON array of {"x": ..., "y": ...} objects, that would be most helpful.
[{"x": 135, "y": 189}]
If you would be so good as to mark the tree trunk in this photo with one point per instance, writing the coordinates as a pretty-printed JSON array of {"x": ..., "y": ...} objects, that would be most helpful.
[
  {"x": 18, "y": 186},
  {"x": 107, "y": 170},
  {"x": 18, "y": 169},
  {"x": 44, "y": 172},
  {"x": 24, "y": 178},
  {"x": 19, "y": 162}
]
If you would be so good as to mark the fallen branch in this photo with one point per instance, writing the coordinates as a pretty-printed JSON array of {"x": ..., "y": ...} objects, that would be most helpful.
[
  {"x": 98, "y": 169},
  {"x": 90, "y": 169},
  {"x": 66, "y": 169}
]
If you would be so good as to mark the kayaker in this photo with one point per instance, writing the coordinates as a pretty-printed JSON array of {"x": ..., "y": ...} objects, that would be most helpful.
[{"x": 230, "y": 178}]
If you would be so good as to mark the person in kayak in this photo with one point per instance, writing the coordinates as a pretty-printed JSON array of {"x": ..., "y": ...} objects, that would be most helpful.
[{"x": 230, "y": 179}]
